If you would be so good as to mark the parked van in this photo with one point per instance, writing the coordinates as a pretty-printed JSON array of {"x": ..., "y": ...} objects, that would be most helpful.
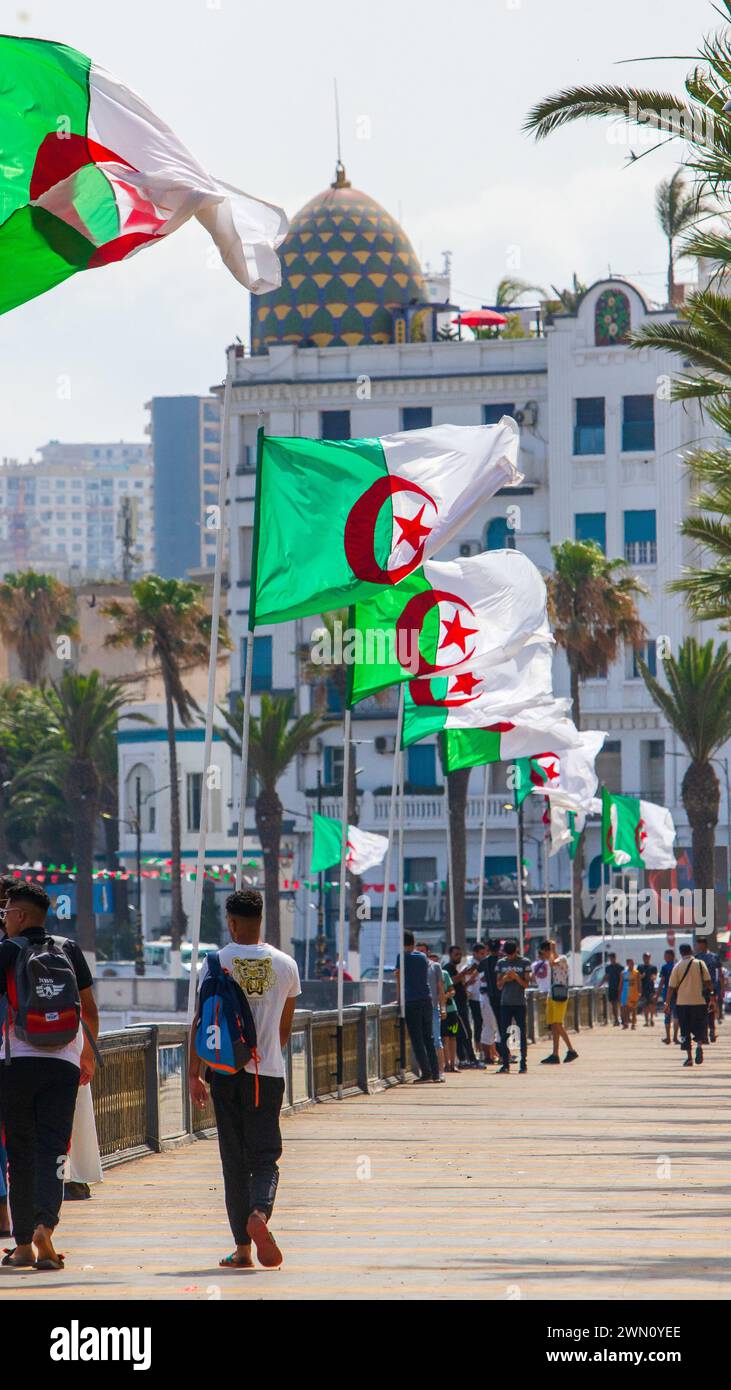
[{"x": 633, "y": 945}]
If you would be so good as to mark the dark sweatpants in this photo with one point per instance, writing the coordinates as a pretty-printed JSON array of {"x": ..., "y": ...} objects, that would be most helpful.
[
  {"x": 37, "y": 1102},
  {"x": 513, "y": 1013},
  {"x": 420, "y": 1023},
  {"x": 250, "y": 1142},
  {"x": 693, "y": 1020}
]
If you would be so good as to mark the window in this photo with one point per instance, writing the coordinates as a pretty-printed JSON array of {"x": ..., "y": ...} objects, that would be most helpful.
[
  {"x": 261, "y": 671},
  {"x": 609, "y": 766},
  {"x": 492, "y": 414},
  {"x": 640, "y": 538},
  {"x": 638, "y": 423},
  {"x": 333, "y": 698},
  {"x": 142, "y": 773},
  {"x": 193, "y": 799},
  {"x": 589, "y": 427},
  {"x": 333, "y": 768},
  {"x": 421, "y": 767},
  {"x": 499, "y": 867},
  {"x": 498, "y": 780},
  {"x": 335, "y": 424},
  {"x": 591, "y": 526},
  {"x": 632, "y": 657},
  {"x": 418, "y": 872},
  {"x": 499, "y": 536},
  {"x": 652, "y": 769},
  {"x": 416, "y": 417}
]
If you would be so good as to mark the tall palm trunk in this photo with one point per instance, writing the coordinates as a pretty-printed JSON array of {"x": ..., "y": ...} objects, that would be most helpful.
[
  {"x": 82, "y": 793},
  {"x": 457, "y": 783},
  {"x": 701, "y": 798},
  {"x": 4, "y": 850},
  {"x": 178, "y": 921},
  {"x": 577, "y": 866},
  {"x": 268, "y": 815},
  {"x": 355, "y": 882}
]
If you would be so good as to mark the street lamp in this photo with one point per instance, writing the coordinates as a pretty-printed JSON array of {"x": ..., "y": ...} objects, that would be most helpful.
[{"x": 135, "y": 824}]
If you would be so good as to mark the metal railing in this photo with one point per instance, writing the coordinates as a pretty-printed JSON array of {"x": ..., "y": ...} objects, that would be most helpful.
[{"x": 141, "y": 1099}]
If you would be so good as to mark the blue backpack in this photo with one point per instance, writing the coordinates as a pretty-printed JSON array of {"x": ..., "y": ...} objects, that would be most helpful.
[{"x": 225, "y": 1038}]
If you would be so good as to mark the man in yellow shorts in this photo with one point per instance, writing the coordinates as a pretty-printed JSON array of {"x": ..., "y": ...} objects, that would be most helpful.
[{"x": 557, "y": 1002}]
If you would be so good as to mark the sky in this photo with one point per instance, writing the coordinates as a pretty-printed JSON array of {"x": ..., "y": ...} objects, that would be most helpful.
[{"x": 432, "y": 100}]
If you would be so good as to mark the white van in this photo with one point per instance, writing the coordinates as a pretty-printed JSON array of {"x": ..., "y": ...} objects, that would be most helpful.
[{"x": 633, "y": 945}]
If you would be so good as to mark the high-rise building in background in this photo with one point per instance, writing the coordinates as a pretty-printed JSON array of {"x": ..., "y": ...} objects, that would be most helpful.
[
  {"x": 61, "y": 514},
  {"x": 185, "y": 434}
]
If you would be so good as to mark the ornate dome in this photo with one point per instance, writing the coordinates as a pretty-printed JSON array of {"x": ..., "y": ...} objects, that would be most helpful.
[{"x": 345, "y": 264}]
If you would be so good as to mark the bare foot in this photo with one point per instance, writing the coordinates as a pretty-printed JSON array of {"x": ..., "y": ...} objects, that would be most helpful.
[{"x": 46, "y": 1255}]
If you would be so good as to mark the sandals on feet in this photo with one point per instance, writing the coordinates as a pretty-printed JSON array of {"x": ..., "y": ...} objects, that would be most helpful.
[
  {"x": 9, "y": 1263},
  {"x": 270, "y": 1256},
  {"x": 232, "y": 1262},
  {"x": 49, "y": 1262}
]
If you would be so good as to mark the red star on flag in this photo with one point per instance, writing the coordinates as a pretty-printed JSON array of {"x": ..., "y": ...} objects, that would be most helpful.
[
  {"x": 412, "y": 530},
  {"x": 464, "y": 684},
  {"x": 456, "y": 635}
]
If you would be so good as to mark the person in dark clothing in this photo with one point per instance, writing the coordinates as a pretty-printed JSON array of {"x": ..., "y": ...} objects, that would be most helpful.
[
  {"x": 513, "y": 976},
  {"x": 453, "y": 967},
  {"x": 38, "y": 1091},
  {"x": 613, "y": 980},
  {"x": 418, "y": 1010}
]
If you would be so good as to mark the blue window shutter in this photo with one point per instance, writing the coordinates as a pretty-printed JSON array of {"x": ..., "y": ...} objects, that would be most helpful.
[
  {"x": 590, "y": 411},
  {"x": 499, "y": 865},
  {"x": 492, "y": 414},
  {"x": 335, "y": 424},
  {"x": 638, "y": 423},
  {"x": 591, "y": 526},
  {"x": 261, "y": 671},
  {"x": 422, "y": 765},
  {"x": 640, "y": 526},
  {"x": 499, "y": 536},
  {"x": 416, "y": 417}
]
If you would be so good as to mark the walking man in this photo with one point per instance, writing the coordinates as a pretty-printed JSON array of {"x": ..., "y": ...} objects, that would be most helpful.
[
  {"x": 38, "y": 1088},
  {"x": 713, "y": 966},
  {"x": 474, "y": 1000},
  {"x": 666, "y": 970},
  {"x": 513, "y": 976},
  {"x": 248, "y": 1102},
  {"x": 557, "y": 1002},
  {"x": 453, "y": 967},
  {"x": 613, "y": 981},
  {"x": 648, "y": 974},
  {"x": 438, "y": 1001},
  {"x": 418, "y": 1008},
  {"x": 630, "y": 995},
  {"x": 690, "y": 984}
]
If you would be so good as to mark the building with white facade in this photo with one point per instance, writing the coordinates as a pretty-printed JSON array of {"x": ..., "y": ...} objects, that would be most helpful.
[{"x": 62, "y": 514}]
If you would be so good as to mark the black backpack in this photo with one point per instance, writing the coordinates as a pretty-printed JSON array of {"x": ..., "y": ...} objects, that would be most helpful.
[{"x": 43, "y": 995}]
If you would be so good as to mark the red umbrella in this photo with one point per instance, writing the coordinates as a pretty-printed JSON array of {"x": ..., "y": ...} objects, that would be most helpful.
[{"x": 481, "y": 318}]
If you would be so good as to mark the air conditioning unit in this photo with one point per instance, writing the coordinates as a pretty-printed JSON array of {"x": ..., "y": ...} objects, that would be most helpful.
[
  {"x": 528, "y": 415},
  {"x": 385, "y": 743},
  {"x": 467, "y": 548}
]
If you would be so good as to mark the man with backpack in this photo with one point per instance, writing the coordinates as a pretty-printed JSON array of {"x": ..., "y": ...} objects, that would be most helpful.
[
  {"x": 247, "y": 994},
  {"x": 42, "y": 1062}
]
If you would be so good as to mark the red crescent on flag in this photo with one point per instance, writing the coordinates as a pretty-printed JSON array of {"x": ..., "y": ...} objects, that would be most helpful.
[
  {"x": 640, "y": 836},
  {"x": 421, "y": 694},
  {"x": 412, "y": 620},
  {"x": 360, "y": 530}
]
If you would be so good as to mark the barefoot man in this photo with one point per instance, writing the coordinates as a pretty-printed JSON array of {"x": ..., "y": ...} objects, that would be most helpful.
[{"x": 249, "y": 1136}]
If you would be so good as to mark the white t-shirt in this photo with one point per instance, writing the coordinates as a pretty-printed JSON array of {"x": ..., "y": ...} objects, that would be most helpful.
[
  {"x": 18, "y": 1048},
  {"x": 268, "y": 978},
  {"x": 542, "y": 974},
  {"x": 473, "y": 990}
]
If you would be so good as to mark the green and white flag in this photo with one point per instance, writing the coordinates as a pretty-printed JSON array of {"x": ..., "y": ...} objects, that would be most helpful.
[
  {"x": 534, "y": 775},
  {"x": 566, "y": 829},
  {"x": 480, "y": 696},
  {"x": 447, "y": 616},
  {"x": 89, "y": 175},
  {"x": 363, "y": 850},
  {"x": 541, "y": 732},
  {"x": 336, "y": 520},
  {"x": 575, "y": 785},
  {"x": 636, "y": 834}
]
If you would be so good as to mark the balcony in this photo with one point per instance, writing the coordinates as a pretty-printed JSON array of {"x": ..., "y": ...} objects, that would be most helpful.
[{"x": 423, "y": 811}]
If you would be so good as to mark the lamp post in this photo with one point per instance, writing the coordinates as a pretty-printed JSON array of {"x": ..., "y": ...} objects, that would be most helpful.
[{"x": 135, "y": 824}]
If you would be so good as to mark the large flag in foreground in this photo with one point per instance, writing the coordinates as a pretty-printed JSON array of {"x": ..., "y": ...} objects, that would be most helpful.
[
  {"x": 480, "y": 696},
  {"x": 636, "y": 833},
  {"x": 445, "y": 617},
  {"x": 89, "y": 174},
  {"x": 363, "y": 850},
  {"x": 530, "y": 733},
  {"x": 338, "y": 519}
]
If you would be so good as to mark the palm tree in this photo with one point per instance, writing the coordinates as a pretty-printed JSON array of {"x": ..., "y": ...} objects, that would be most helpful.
[
  {"x": 592, "y": 605},
  {"x": 568, "y": 301},
  {"x": 276, "y": 738},
  {"x": 697, "y": 704},
  {"x": 511, "y": 288},
  {"x": 83, "y": 713},
  {"x": 35, "y": 608},
  {"x": 457, "y": 784},
  {"x": 676, "y": 212},
  {"x": 169, "y": 617}
]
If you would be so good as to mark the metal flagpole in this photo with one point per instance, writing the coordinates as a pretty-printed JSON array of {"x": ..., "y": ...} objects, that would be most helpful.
[
  {"x": 307, "y": 900},
  {"x": 341, "y": 917},
  {"x": 519, "y": 863},
  {"x": 481, "y": 889},
  {"x": 391, "y": 830},
  {"x": 450, "y": 876},
  {"x": 575, "y": 955},
  {"x": 211, "y": 699},
  {"x": 244, "y": 779},
  {"x": 546, "y": 881},
  {"x": 402, "y": 963},
  {"x": 603, "y": 897}
]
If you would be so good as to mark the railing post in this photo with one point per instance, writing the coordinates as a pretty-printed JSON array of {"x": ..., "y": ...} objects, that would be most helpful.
[{"x": 152, "y": 1092}]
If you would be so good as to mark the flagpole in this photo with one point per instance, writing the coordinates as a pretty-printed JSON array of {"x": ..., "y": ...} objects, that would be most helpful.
[
  {"x": 244, "y": 776},
  {"x": 575, "y": 955},
  {"x": 307, "y": 900},
  {"x": 481, "y": 889},
  {"x": 603, "y": 898},
  {"x": 546, "y": 881},
  {"x": 450, "y": 876},
  {"x": 402, "y": 962},
  {"x": 391, "y": 832},
  {"x": 341, "y": 915},
  {"x": 519, "y": 862},
  {"x": 211, "y": 698}
]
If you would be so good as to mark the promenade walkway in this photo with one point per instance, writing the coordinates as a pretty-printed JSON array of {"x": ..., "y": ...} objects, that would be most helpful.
[{"x": 607, "y": 1179}]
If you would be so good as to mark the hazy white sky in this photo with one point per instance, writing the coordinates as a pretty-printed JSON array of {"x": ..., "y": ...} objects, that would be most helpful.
[{"x": 248, "y": 87}]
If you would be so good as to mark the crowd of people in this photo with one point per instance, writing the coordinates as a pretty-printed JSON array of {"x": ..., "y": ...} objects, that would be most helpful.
[
  {"x": 689, "y": 991},
  {"x": 460, "y": 1012}
]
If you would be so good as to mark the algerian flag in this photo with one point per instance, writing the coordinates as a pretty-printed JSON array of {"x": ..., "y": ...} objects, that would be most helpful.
[
  {"x": 566, "y": 829},
  {"x": 575, "y": 785},
  {"x": 446, "y": 616},
  {"x": 533, "y": 775},
  {"x": 480, "y": 696},
  {"x": 530, "y": 733},
  {"x": 636, "y": 833},
  {"x": 89, "y": 174},
  {"x": 363, "y": 850},
  {"x": 336, "y": 520}
]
